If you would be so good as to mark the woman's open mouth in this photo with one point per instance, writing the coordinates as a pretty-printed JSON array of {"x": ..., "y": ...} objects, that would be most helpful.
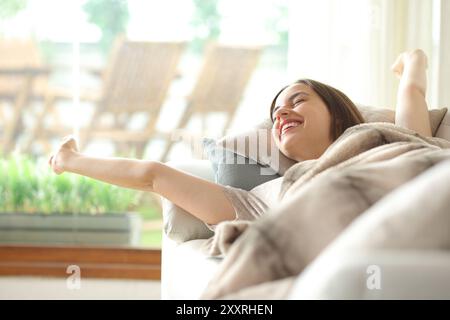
[{"x": 289, "y": 125}]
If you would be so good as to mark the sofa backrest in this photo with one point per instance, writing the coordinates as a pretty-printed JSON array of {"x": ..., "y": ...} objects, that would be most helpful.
[{"x": 444, "y": 128}]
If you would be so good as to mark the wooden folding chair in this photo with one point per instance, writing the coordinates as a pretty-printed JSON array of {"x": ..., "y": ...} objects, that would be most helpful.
[
  {"x": 23, "y": 76},
  {"x": 220, "y": 85},
  {"x": 136, "y": 79}
]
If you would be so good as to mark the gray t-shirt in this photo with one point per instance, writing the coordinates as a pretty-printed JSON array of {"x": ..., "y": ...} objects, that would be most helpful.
[{"x": 250, "y": 205}]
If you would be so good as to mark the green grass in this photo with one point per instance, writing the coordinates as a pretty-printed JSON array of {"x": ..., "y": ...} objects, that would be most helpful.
[
  {"x": 30, "y": 186},
  {"x": 149, "y": 212},
  {"x": 151, "y": 238}
]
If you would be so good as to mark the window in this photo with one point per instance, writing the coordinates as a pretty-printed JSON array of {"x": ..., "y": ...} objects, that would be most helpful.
[{"x": 87, "y": 68}]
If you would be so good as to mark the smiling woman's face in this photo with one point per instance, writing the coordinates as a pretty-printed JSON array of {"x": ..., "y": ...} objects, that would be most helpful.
[{"x": 301, "y": 127}]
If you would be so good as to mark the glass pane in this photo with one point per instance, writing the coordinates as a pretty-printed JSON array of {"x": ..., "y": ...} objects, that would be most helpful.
[{"x": 117, "y": 76}]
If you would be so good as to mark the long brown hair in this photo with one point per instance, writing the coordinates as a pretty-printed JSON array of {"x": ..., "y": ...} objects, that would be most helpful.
[{"x": 344, "y": 113}]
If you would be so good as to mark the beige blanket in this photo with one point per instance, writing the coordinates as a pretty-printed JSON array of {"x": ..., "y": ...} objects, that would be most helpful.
[{"x": 317, "y": 201}]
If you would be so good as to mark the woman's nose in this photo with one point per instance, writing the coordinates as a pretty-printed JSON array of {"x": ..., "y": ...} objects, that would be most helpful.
[{"x": 281, "y": 112}]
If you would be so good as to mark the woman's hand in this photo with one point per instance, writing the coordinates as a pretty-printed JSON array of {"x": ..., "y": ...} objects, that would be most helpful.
[{"x": 66, "y": 150}]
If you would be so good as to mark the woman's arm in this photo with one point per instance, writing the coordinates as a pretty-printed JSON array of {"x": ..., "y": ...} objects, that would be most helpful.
[
  {"x": 204, "y": 199},
  {"x": 412, "y": 110}
]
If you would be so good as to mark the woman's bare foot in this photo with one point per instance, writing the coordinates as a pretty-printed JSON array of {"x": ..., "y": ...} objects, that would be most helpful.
[{"x": 410, "y": 67}]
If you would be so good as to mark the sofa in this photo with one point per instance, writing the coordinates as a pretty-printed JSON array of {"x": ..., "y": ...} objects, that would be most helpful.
[{"x": 411, "y": 274}]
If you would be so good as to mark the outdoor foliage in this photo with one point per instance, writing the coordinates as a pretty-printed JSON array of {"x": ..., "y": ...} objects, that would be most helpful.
[
  {"x": 29, "y": 187},
  {"x": 279, "y": 25},
  {"x": 206, "y": 22},
  {"x": 111, "y": 16},
  {"x": 9, "y": 8}
]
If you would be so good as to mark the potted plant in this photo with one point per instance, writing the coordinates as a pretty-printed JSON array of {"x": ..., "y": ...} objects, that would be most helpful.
[{"x": 37, "y": 206}]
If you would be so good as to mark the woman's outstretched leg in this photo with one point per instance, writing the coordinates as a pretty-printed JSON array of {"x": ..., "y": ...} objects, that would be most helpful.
[{"x": 412, "y": 110}]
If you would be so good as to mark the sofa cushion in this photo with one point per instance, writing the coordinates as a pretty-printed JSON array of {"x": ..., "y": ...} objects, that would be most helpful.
[
  {"x": 444, "y": 128},
  {"x": 372, "y": 114},
  {"x": 186, "y": 270},
  {"x": 180, "y": 225},
  {"x": 232, "y": 169}
]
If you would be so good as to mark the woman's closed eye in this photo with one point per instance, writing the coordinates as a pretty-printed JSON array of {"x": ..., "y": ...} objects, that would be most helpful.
[
  {"x": 297, "y": 102},
  {"x": 293, "y": 105}
]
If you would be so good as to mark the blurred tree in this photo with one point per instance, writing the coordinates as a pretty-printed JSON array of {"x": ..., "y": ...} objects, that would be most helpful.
[
  {"x": 111, "y": 16},
  {"x": 9, "y": 8},
  {"x": 206, "y": 22},
  {"x": 279, "y": 24}
]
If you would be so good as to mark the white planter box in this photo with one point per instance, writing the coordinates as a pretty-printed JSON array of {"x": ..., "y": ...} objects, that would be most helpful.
[{"x": 78, "y": 229}]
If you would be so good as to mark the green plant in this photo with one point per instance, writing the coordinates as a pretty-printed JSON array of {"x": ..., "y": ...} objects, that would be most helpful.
[
  {"x": 111, "y": 16},
  {"x": 9, "y": 8},
  {"x": 151, "y": 238},
  {"x": 277, "y": 24},
  {"x": 28, "y": 186},
  {"x": 206, "y": 22}
]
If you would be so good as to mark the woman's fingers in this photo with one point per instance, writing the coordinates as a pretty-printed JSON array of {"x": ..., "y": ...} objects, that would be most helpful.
[
  {"x": 67, "y": 146},
  {"x": 406, "y": 59},
  {"x": 397, "y": 66},
  {"x": 66, "y": 139},
  {"x": 56, "y": 169},
  {"x": 69, "y": 142},
  {"x": 52, "y": 164}
]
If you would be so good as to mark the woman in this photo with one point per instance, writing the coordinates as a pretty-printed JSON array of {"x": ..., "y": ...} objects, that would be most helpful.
[{"x": 307, "y": 117}]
